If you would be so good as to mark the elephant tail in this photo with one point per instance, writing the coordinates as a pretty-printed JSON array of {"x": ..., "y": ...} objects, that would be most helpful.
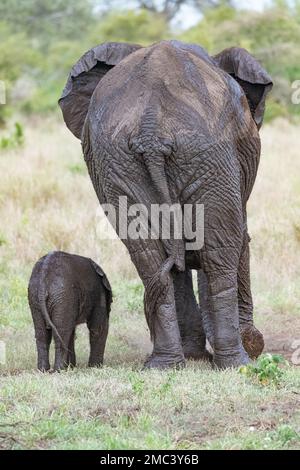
[
  {"x": 173, "y": 246},
  {"x": 154, "y": 151},
  {"x": 42, "y": 297}
]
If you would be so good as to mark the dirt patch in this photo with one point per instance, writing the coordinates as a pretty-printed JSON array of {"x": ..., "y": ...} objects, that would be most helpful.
[{"x": 287, "y": 346}]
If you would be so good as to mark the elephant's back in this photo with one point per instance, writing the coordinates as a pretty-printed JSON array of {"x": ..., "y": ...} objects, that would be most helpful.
[{"x": 187, "y": 93}]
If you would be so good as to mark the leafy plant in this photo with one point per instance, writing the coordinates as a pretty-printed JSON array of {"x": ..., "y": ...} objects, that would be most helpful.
[
  {"x": 15, "y": 139},
  {"x": 135, "y": 300},
  {"x": 266, "y": 370}
]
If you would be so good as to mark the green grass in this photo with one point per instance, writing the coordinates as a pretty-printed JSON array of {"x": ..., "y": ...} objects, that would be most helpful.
[
  {"x": 117, "y": 407},
  {"x": 122, "y": 407},
  {"x": 47, "y": 202}
]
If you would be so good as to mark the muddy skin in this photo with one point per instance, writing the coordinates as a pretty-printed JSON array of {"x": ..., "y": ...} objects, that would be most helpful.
[
  {"x": 189, "y": 318},
  {"x": 169, "y": 124},
  {"x": 66, "y": 290},
  {"x": 252, "y": 339}
]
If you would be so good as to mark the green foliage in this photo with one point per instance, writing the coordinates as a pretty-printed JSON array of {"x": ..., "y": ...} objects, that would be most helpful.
[
  {"x": 15, "y": 62},
  {"x": 55, "y": 33},
  {"x": 272, "y": 36},
  {"x": 274, "y": 110},
  {"x": 15, "y": 139},
  {"x": 44, "y": 19},
  {"x": 142, "y": 27},
  {"x": 77, "y": 168},
  {"x": 3, "y": 240},
  {"x": 16, "y": 55},
  {"x": 132, "y": 293},
  {"x": 266, "y": 370},
  {"x": 13, "y": 301},
  {"x": 206, "y": 32},
  {"x": 285, "y": 434}
]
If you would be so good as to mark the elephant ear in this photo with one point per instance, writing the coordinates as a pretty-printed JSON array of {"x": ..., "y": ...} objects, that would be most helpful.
[
  {"x": 250, "y": 75},
  {"x": 85, "y": 76},
  {"x": 105, "y": 283}
]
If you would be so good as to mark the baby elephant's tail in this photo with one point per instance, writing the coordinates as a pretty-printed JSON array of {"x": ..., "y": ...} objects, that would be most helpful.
[{"x": 42, "y": 296}]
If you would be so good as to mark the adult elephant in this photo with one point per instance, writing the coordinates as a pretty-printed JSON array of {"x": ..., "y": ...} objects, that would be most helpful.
[{"x": 169, "y": 124}]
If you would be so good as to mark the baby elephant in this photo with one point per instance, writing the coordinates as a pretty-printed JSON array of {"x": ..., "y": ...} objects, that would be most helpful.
[{"x": 65, "y": 290}]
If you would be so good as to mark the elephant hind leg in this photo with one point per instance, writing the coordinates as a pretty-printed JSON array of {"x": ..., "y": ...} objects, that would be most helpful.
[
  {"x": 98, "y": 325},
  {"x": 43, "y": 340},
  {"x": 43, "y": 337},
  {"x": 62, "y": 349},
  {"x": 252, "y": 338},
  {"x": 71, "y": 359},
  {"x": 189, "y": 318},
  {"x": 148, "y": 257},
  {"x": 228, "y": 348},
  {"x": 220, "y": 262},
  {"x": 63, "y": 317}
]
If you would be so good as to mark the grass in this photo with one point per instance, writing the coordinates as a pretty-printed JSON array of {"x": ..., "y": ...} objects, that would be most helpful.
[
  {"x": 119, "y": 407},
  {"x": 47, "y": 202}
]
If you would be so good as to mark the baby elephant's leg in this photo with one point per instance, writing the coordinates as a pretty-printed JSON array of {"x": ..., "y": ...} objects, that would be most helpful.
[
  {"x": 61, "y": 350},
  {"x": 43, "y": 339},
  {"x": 98, "y": 327},
  {"x": 63, "y": 318},
  {"x": 42, "y": 334},
  {"x": 71, "y": 361}
]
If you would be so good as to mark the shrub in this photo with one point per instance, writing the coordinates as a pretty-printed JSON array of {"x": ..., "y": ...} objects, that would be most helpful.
[
  {"x": 266, "y": 370},
  {"x": 15, "y": 139}
]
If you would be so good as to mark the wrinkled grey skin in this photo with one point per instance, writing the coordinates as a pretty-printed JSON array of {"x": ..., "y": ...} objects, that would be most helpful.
[
  {"x": 66, "y": 290},
  {"x": 169, "y": 124}
]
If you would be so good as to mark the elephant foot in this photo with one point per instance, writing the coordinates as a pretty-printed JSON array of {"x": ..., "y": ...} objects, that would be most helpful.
[
  {"x": 223, "y": 361},
  {"x": 253, "y": 340},
  {"x": 71, "y": 365},
  {"x": 199, "y": 356},
  {"x": 163, "y": 362},
  {"x": 44, "y": 367},
  {"x": 60, "y": 366},
  {"x": 95, "y": 363},
  {"x": 191, "y": 350}
]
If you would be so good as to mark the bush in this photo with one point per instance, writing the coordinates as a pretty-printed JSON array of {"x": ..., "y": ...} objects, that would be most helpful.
[
  {"x": 15, "y": 139},
  {"x": 266, "y": 370},
  {"x": 272, "y": 36}
]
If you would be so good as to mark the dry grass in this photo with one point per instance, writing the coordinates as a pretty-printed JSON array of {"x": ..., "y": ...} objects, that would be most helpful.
[
  {"x": 274, "y": 214},
  {"x": 47, "y": 202}
]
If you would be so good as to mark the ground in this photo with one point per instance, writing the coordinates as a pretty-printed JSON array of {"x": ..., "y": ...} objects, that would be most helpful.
[{"x": 47, "y": 202}]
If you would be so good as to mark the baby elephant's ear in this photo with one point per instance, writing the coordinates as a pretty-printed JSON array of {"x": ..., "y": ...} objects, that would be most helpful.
[
  {"x": 250, "y": 75},
  {"x": 105, "y": 282},
  {"x": 85, "y": 76},
  {"x": 101, "y": 274}
]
